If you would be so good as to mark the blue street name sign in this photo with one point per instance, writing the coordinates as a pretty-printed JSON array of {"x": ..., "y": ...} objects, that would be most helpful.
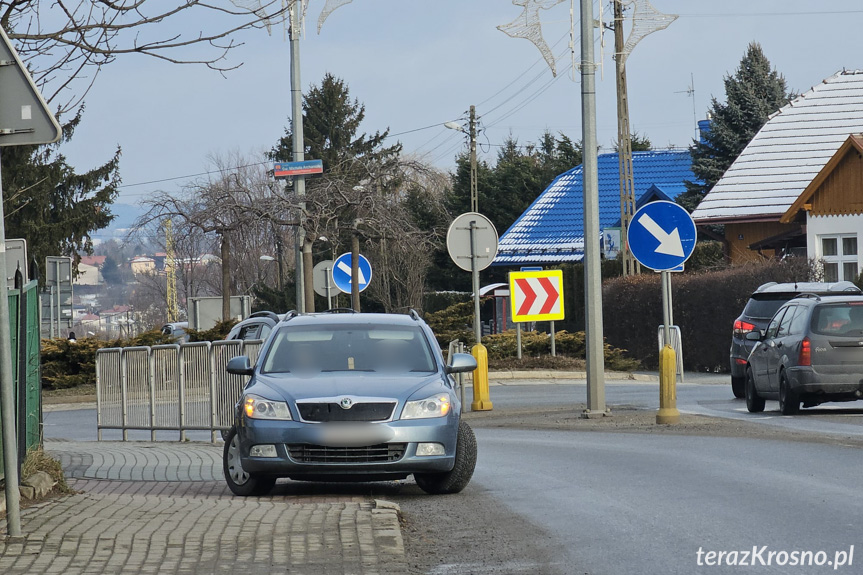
[
  {"x": 342, "y": 272},
  {"x": 661, "y": 235},
  {"x": 288, "y": 169}
]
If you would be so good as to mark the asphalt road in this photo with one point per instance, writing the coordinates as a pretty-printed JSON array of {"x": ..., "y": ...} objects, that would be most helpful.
[{"x": 615, "y": 503}]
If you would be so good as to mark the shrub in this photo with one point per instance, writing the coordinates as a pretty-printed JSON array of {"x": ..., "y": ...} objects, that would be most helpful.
[
  {"x": 216, "y": 333},
  {"x": 66, "y": 364},
  {"x": 534, "y": 344},
  {"x": 453, "y": 322},
  {"x": 705, "y": 306}
]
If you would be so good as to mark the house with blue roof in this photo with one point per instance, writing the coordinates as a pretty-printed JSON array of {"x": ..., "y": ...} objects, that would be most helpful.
[{"x": 551, "y": 230}]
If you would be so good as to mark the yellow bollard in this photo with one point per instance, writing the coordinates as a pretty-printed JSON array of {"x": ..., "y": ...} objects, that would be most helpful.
[
  {"x": 481, "y": 399},
  {"x": 667, "y": 413}
]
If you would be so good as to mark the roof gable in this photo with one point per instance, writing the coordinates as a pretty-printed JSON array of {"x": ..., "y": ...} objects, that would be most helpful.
[
  {"x": 551, "y": 230},
  {"x": 787, "y": 153},
  {"x": 847, "y": 158}
]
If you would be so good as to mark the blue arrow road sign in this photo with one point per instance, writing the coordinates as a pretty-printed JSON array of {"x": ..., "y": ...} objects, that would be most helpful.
[
  {"x": 342, "y": 272},
  {"x": 661, "y": 235}
]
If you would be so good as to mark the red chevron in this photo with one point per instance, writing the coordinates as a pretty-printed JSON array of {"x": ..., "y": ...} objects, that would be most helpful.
[
  {"x": 529, "y": 296},
  {"x": 551, "y": 295}
]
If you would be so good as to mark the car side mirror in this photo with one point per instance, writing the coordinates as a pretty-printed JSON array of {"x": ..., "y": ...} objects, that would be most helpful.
[
  {"x": 240, "y": 365},
  {"x": 461, "y": 362},
  {"x": 754, "y": 336}
]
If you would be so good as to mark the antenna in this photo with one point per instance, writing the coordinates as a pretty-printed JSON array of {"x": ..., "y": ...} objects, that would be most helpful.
[{"x": 690, "y": 91}]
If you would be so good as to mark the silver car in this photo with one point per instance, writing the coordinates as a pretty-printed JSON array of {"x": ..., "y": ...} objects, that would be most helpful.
[
  {"x": 350, "y": 397},
  {"x": 811, "y": 352}
]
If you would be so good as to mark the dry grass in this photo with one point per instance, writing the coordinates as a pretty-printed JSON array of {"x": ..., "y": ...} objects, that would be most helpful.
[{"x": 38, "y": 460}]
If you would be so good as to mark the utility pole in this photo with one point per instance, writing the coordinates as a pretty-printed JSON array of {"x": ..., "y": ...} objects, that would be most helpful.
[
  {"x": 297, "y": 143},
  {"x": 624, "y": 145},
  {"x": 171, "y": 272},
  {"x": 474, "y": 197},
  {"x": 594, "y": 353}
]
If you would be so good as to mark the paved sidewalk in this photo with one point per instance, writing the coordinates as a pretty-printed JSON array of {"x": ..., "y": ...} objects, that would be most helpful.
[{"x": 164, "y": 508}]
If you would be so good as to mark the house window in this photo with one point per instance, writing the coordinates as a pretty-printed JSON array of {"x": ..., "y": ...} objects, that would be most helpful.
[{"x": 840, "y": 257}]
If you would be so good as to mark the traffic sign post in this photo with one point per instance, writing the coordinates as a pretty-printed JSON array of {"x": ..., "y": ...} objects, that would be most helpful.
[
  {"x": 536, "y": 295},
  {"x": 24, "y": 120},
  {"x": 322, "y": 279},
  {"x": 342, "y": 273},
  {"x": 662, "y": 236},
  {"x": 471, "y": 241}
]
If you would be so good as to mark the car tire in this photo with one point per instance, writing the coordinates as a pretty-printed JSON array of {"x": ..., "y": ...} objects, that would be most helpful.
[
  {"x": 789, "y": 403},
  {"x": 457, "y": 479},
  {"x": 754, "y": 403},
  {"x": 239, "y": 481},
  {"x": 738, "y": 386}
]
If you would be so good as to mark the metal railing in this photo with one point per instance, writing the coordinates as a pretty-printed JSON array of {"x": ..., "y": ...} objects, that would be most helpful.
[
  {"x": 177, "y": 387},
  {"x": 456, "y": 346}
]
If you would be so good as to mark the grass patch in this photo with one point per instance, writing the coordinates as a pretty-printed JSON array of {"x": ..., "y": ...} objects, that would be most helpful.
[{"x": 38, "y": 460}]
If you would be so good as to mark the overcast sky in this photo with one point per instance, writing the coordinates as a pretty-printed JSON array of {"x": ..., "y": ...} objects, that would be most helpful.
[{"x": 420, "y": 63}]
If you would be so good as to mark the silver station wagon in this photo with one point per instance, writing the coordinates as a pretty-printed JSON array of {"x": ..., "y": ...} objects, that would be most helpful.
[{"x": 350, "y": 397}]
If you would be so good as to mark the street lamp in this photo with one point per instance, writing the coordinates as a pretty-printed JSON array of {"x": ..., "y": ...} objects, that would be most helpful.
[{"x": 471, "y": 132}]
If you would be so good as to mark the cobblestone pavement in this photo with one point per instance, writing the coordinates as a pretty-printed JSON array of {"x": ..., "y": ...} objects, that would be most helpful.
[{"x": 143, "y": 508}]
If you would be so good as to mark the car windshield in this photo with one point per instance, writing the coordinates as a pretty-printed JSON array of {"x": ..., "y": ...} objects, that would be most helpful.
[
  {"x": 348, "y": 348},
  {"x": 765, "y": 306},
  {"x": 838, "y": 319}
]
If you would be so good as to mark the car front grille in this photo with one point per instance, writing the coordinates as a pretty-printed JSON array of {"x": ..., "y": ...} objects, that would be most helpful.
[
  {"x": 326, "y": 412},
  {"x": 303, "y": 453}
]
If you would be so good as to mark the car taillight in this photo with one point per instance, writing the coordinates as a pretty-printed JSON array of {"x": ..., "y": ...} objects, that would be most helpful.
[
  {"x": 741, "y": 328},
  {"x": 805, "y": 352}
]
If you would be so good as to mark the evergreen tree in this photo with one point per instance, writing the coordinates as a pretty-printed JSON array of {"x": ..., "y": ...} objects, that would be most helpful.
[
  {"x": 331, "y": 123},
  {"x": 50, "y": 205},
  {"x": 753, "y": 93}
]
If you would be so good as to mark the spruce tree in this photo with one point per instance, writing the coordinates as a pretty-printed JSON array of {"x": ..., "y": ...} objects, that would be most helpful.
[
  {"x": 331, "y": 123},
  {"x": 752, "y": 94}
]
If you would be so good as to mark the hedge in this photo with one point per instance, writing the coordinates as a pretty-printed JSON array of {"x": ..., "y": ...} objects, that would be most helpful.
[{"x": 705, "y": 306}]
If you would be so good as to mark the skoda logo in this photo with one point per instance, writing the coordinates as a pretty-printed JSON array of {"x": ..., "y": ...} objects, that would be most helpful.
[{"x": 346, "y": 403}]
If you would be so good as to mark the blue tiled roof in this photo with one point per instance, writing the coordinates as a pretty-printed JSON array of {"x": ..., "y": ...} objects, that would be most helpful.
[{"x": 551, "y": 230}]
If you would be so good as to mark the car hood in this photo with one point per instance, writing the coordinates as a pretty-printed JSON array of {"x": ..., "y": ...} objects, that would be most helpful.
[{"x": 331, "y": 385}]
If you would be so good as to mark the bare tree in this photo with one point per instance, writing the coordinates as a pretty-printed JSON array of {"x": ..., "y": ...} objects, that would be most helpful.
[{"x": 66, "y": 43}]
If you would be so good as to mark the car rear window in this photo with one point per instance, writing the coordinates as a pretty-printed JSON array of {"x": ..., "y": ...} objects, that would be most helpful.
[
  {"x": 838, "y": 319},
  {"x": 348, "y": 348},
  {"x": 764, "y": 306}
]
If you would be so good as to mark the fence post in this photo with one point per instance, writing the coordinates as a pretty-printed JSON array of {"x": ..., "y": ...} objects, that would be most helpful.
[
  {"x": 181, "y": 364},
  {"x": 151, "y": 361},
  {"x": 212, "y": 378},
  {"x": 461, "y": 379},
  {"x": 124, "y": 399},
  {"x": 98, "y": 399}
]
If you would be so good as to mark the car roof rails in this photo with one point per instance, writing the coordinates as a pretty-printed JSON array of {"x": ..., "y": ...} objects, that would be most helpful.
[
  {"x": 291, "y": 314},
  {"x": 339, "y": 310},
  {"x": 805, "y": 295},
  {"x": 416, "y": 316},
  {"x": 268, "y": 314}
]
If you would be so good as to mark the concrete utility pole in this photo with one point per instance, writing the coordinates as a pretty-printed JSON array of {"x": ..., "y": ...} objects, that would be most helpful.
[
  {"x": 624, "y": 145},
  {"x": 297, "y": 143},
  {"x": 594, "y": 353},
  {"x": 474, "y": 197},
  {"x": 226, "y": 276}
]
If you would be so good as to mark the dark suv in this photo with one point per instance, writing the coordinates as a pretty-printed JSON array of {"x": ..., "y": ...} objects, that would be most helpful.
[
  {"x": 811, "y": 352},
  {"x": 757, "y": 313}
]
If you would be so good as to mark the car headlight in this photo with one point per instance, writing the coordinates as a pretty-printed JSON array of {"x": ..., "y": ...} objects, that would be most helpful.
[
  {"x": 257, "y": 407},
  {"x": 434, "y": 406}
]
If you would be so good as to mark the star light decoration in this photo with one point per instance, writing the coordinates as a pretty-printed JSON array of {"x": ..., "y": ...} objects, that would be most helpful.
[
  {"x": 645, "y": 20},
  {"x": 528, "y": 26}
]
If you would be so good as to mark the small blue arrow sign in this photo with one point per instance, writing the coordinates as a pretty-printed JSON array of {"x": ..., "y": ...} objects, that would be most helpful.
[
  {"x": 342, "y": 272},
  {"x": 661, "y": 235}
]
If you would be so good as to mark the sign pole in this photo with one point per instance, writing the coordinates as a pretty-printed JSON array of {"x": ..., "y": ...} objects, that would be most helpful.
[
  {"x": 518, "y": 340},
  {"x": 553, "y": 350},
  {"x": 668, "y": 413},
  {"x": 7, "y": 400},
  {"x": 327, "y": 271},
  {"x": 474, "y": 271}
]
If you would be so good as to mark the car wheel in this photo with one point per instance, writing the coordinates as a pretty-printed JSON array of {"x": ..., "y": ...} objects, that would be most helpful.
[
  {"x": 789, "y": 404},
  {"x": 457, "y": 479},
  {"x": 239, "y": 481},
  {"x": 738, "y": 386},
  {"x": 754, "y": 403}
]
